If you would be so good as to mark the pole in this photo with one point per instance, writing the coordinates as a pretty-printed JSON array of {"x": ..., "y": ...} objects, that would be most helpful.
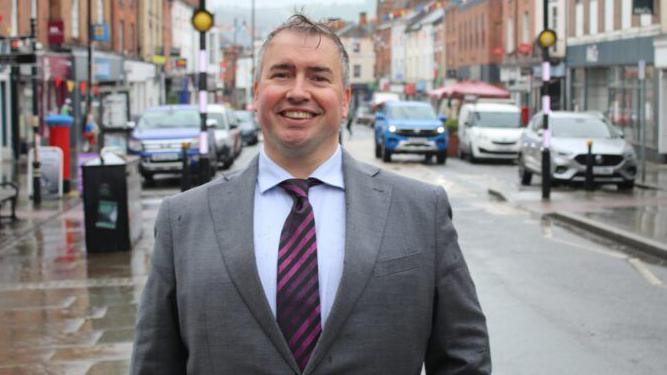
[
  {"x": 642, "y": 122},
  {"x": 546, "y": 109},
  {"x": 204, "y": 161},
  {"x": 89, "y": 87},
  {"x": 36, "y": 176},
  {"x": 252, "y": 49}
]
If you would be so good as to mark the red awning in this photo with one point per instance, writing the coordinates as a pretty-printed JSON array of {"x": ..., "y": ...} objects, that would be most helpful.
[{"x": 475, "y": 88}]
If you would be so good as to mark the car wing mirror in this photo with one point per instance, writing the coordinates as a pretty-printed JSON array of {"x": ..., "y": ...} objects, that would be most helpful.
[
  {"x": 211, "y": 123},
  {"x": 442, "y": 118}
]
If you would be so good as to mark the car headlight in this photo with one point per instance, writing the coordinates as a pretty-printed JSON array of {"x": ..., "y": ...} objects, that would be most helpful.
[
  {"x": 135, "y": 145},
  {"x": 392, "y": 129},
  {"x": 440, "y": 129},
  {"x": 564, "y": 154},
  {"x": 629, "y": 152}
]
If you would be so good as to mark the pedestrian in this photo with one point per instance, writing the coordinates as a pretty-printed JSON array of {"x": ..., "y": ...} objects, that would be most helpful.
[
  {"x": 308, "y": 261},
  {"x": 350, "y": 120}
]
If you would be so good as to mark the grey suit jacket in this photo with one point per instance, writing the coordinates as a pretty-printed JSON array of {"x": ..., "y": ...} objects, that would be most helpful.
[{"x": 405, "y": 297}]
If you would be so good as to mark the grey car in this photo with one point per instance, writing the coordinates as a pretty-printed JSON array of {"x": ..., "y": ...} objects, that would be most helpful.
[{"x": 614, "y": 159}]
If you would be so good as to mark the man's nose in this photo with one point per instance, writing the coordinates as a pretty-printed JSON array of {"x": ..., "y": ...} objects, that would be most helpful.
[{"x": 298, "y": 92}]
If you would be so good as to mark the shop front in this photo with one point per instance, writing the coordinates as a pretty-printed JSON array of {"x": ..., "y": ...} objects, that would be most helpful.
[{"x": 607, "y": 77}]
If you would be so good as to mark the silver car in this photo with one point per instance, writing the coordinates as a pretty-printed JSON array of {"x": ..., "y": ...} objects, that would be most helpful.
[
  {"x": 614, "y": 159},
  {"x": 227, "y": 133}
]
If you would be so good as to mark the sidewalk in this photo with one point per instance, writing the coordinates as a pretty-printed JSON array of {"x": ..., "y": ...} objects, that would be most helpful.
[{"x": 637, "y": 219}]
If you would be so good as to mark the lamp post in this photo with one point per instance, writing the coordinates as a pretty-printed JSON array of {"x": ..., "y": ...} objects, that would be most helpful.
[
  {"x": 546, "y": 40},
  {"x": 202, "y": 21},
  {"x": 36, "y": 170}
]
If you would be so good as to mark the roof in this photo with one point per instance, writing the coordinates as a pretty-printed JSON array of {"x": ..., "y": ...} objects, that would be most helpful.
[
  {"x": 353, "y": 30},
  {"x": 496, "y": 107}
]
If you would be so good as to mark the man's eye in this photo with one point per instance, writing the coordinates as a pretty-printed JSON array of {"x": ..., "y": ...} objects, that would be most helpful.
[
  {"x": 279, "y": 75},
  {"x": 321, "y": 79}
]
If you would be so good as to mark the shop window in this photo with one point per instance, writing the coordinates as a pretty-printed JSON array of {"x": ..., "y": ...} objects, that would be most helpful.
[{"x": 357, "y": 71}]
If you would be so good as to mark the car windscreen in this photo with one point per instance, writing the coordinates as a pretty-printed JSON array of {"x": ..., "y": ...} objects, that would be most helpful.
[
  {"x": 484, "y": 119},
  {"x": 177, "y": 118},
  {"x": 244, "y": 115},
  {"x": 220, "y": 118},
  {"x": 580, "y": 127},
  {"x": 411, "y": 113}
]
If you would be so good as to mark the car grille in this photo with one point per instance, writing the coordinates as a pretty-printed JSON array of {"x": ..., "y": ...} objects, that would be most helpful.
[
  {"x": 481, "y": 149},
  {"x": 417, "y": 132},
  {"x": 600, "y": 159},
  {"x": 504, "y": 143}
]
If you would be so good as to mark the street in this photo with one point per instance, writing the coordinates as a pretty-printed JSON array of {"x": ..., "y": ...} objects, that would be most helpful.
[{"x": 557, "y": 300}]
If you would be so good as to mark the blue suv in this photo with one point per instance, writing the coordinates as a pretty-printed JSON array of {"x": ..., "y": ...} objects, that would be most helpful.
[
  {"x": 158, "y": 136},
  {"x": 408, "y": 127}
]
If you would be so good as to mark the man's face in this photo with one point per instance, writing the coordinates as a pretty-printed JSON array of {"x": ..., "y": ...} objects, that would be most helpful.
[{"x": 300, "y": 97}]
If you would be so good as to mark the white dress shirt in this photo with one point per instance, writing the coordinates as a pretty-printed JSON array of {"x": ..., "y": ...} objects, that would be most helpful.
[{"x": 273, "y": 204}]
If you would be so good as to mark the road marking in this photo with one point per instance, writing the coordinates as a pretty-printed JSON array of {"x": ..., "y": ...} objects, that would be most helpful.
[
  {"x": 645, "y": 272},
  {"x": 609, "y": 253}
]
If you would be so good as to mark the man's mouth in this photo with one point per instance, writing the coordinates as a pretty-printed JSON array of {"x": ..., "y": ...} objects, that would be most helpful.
[{"x": 297, "y": 115}]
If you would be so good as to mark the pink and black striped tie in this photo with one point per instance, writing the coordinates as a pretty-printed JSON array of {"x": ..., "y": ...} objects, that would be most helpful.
[{"x": 298, "y": 295}]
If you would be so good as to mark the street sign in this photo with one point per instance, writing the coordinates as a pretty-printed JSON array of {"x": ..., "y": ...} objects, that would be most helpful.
[{"x": 18, "y": 58}]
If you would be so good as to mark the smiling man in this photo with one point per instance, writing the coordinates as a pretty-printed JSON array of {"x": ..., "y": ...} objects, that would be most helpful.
[{"x": 308, "y": 261}]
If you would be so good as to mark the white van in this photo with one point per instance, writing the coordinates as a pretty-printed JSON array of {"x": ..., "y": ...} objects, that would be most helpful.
[{"x": 489, "y": 131}]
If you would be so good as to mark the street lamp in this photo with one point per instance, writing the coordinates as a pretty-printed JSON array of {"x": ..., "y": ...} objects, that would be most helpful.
[
  {"x": 546, "y": 40},
  {"x": 202, "y": 21}
]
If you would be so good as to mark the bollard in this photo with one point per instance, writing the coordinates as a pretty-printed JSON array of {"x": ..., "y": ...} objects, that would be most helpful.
[
  {"x": 588, "y": 184},
  {"x": 186, "y": 179}
]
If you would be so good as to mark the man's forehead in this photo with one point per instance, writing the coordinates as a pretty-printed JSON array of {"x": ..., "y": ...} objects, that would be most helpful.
[{"x": 303, "y": 39}]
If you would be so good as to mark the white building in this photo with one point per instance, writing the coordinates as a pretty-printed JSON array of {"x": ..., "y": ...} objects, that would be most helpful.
[
  {"x": 356, "y": 39},
  {"x": 420, "y": 50}
]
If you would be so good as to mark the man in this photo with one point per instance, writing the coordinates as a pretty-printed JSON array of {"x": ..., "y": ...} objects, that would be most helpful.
[{"x": 308, "y": 261}]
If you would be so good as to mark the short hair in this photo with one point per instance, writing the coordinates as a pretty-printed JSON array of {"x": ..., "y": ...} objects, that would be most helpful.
[{"x": 302, "y": 24}]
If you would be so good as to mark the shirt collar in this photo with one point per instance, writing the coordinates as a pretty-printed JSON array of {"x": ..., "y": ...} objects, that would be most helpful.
[{"x": 270, "y": 174}]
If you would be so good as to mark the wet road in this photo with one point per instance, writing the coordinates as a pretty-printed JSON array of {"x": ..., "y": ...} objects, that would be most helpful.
[{"x": 556, "y": 301}]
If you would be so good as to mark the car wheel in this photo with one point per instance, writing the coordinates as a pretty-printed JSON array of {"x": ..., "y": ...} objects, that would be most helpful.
[
  {"x": 524, "y": 175},
  {"x": 441, "y": 157},
  {"x": 626, "y": 185},
  {"x": 470, "y": 156},
  {"x": 149, "y": 179},
  {"x": 378, "y": 150},
  {"x": 228, "y": 162},
  {"x": 386, "y": 155}
]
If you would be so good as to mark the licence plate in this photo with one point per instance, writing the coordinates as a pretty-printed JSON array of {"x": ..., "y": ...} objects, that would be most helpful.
[
  {"x": 603, "y": 170},
  {"x": 165, "y": 157}
]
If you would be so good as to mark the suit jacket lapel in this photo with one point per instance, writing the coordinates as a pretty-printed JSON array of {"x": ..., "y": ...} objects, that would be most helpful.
[
  {"x": 231, "y": 204},
  {"x": 366, "y": 205}
]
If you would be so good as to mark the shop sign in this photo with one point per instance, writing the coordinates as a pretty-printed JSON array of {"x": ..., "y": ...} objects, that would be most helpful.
[
  {"x": 56, "y": 32},
  {"x": 592, "y": 53},
  {"x": 181, "y": 63},
  {"x": 100, "y": 32}
]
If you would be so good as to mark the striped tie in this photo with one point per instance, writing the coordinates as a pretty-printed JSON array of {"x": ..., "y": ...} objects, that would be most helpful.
[{"x": 298, "y": 296}]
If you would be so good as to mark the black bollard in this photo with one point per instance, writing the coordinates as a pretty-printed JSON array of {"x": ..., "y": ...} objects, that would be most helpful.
[
  {"x": 186, "y": 178},
  {"x": 588, "y": 184}
]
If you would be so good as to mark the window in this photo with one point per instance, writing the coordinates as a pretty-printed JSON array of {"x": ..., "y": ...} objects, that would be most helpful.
[
  {"x": 75, "y": 18},
  {"x": 525, "y": 29},
  {"x": 593, "y": 17},
  {"x": 100, "y": 11},
  {"x": 121, "y": 37},
  {"x": 579, "y": 18},
  {"x": 357, "y": 71},
  {"x": 609, "y": 15},
  {"x": 626, "y": 14},
  {"x": 510, "y": 36},
  {"x": 356, "y": 47}
]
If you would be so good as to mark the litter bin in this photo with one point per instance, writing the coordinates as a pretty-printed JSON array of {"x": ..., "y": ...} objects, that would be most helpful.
[
  {"x": 59, "y": 129},
  {"x": 112, "y": 202}
]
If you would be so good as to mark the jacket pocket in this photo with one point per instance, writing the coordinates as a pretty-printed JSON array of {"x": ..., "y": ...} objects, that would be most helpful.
[{"x": 396, "y": 265}]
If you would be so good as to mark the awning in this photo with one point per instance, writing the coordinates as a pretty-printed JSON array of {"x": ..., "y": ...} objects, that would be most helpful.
[{"x": 472, "y": 88}]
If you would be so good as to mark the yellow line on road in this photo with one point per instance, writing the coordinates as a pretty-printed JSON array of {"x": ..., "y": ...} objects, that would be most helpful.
[{"x": 645, "y": 272}]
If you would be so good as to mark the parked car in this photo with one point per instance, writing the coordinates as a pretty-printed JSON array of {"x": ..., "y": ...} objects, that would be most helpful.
[
  {"x": 227, "y": 133},
  {"x": 489, "y": 131},
  {"x": 615, "y": 161},
  {"x": 158, "y": 135},
  {"x": 410, "y": 127},
  {"x": 364, "y": 115},
  {"x": 249, "y": 128}
]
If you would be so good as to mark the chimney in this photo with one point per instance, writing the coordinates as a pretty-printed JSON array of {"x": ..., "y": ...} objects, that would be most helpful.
[{"x": 362, "y": 19}]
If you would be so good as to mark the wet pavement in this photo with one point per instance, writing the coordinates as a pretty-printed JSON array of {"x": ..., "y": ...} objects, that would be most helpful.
[
  {"x": 64, "y": 311},
  {"x": 637, "y": 218}
]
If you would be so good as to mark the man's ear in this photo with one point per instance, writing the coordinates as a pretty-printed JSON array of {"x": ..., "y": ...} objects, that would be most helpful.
[
  {"x": 255, "y": 87},
  {"x": 347, "y": 95}
]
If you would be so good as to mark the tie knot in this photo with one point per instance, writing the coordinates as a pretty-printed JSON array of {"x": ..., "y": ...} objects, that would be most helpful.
[{"x": 298, "y": 188}]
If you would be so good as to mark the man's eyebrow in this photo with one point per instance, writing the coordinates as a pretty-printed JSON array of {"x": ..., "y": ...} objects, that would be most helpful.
[
  {"x": 319, "y": 69},
  {"x": 281, "y": 67}
]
